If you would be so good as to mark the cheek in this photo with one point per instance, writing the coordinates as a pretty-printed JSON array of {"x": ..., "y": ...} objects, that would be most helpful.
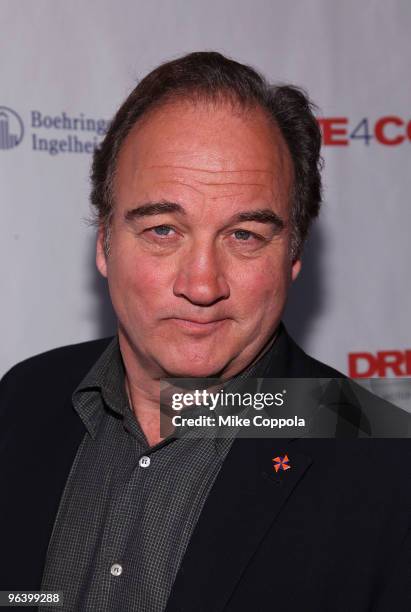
[
  {"x": 138, "y": 282},
  {"x": 261, "y": 288}
]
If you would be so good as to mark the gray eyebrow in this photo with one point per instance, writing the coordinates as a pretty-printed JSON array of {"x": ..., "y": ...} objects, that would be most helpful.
[{"x": 262, "y": 215}]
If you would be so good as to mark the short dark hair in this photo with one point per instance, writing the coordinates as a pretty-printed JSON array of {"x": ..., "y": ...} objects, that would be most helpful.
[{"x": 211, "y": 76}]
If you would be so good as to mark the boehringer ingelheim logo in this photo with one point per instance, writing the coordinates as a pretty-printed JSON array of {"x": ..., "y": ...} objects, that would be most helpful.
[{"x": 11, "y": 128}]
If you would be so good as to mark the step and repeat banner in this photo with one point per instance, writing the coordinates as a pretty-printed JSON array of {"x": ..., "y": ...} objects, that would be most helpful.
[{"x": 65, "y": 68}]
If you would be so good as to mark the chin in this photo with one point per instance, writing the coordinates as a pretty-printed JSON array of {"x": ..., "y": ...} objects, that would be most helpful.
[{"x": 203, "y": 369}]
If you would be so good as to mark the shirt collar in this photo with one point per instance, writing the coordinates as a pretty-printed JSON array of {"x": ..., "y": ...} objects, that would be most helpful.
[{"x": 106, "y": 381}]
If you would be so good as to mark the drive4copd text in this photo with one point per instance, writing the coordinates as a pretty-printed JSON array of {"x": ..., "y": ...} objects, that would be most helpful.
[{"x": 389, "y": 130}]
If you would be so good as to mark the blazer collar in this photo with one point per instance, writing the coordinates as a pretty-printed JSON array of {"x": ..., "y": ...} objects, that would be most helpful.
[{"x": 245, "y": 500}]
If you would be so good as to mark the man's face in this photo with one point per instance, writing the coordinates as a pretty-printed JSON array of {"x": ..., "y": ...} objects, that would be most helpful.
[{"x": 199, "y": 263}]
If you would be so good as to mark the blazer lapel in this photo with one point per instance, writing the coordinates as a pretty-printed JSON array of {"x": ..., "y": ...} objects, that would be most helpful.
[{"x": 244, "y": 501}]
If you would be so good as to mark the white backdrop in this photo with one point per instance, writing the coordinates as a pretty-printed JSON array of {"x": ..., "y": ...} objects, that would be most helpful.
[{"x": 66, "y": 61}]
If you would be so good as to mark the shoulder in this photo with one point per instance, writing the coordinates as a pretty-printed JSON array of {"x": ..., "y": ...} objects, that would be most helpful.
[
  {"x": 40, "y": 432},
  {"x": 59, "y": 370},
  {"x": 78, "y": 356},
  {"x": 302, "y": 365}
]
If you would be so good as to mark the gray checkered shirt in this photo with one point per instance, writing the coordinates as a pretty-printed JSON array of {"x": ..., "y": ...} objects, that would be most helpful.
[{"x": 128, "y": 510}]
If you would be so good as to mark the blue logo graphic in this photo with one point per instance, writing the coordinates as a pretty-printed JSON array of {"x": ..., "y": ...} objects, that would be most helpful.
[{"x": 11, "y": 128}]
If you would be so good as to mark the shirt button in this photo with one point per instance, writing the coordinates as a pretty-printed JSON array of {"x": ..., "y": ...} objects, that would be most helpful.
[
  {"x": 144, "y": 461},
  {"x": 116, "y": 569}
]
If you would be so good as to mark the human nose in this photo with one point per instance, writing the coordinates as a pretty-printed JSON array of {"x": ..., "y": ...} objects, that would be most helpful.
[{"x": 200, "y": 277}]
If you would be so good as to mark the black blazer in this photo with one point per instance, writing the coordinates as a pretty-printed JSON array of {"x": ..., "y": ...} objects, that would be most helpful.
[{"x": 330, "y": 534}]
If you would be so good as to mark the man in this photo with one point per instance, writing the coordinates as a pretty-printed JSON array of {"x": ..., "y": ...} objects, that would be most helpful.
[{"x": 204, "y": 187}]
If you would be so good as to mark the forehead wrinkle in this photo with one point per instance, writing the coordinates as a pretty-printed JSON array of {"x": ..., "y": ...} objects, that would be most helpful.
[
  {"x": 236, "y": 194},
  {"x": 195, "y": 169},
  {"x": 225, "y": 184},
  {"x": 246, "y": 172},
  {"x": 218, "y": 191},
  {"x": 245, "y": 178},
  {"x": 183, "y": 184},
  {"x": 197, "y": 184}
]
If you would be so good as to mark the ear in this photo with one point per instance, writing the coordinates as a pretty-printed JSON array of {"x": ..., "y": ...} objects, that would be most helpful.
[
  {"x": 101, "y": 260},
  {"x": 295, "y": 270}
]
